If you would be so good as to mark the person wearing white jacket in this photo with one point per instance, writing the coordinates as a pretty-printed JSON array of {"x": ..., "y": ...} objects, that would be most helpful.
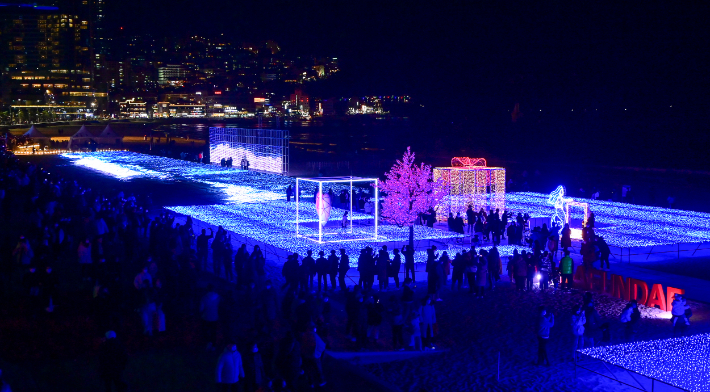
[
  {"x": 578, "y": 321},
  {"x": 229, "y": 368}
]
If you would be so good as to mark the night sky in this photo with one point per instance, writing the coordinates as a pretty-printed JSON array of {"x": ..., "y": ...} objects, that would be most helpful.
[
  {"x": 583, "y": 52},
  {"x": 473, "y": 61}
]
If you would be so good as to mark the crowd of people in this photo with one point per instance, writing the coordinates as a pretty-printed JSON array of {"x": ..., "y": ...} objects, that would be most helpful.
[{"x": 138, "y": 268}]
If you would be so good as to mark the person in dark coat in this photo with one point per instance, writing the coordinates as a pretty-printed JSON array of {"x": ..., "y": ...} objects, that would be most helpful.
[
  {"x": 287, "y": 362},
  {"x": 269, "y": 304},
  {"x": 481, "y": 273},
  {"x": 458, "y": 224},
  {"x": 343, "y": 268},
  {"x": 308, "y": 270},
  {"x": 227, "y": 261},
  {"x": 302, "y": 311},
  {"x": 394, "y": 310},
  {"x": 566, "y": 241},
  {"x": 605, "y": 252},
  {"x": 457, "y": 273},
  {"x": 470, "y": 262},
  {"x": 112, "y": 362},
  {"x": 512, "y": 239},
  {"x": 383, "y": 265},
  {"x": 591, "y": 326},
  {"x": 360, "y": 321},
  {"x": 395, "y": 266},
  {"x": 322, "y": 270},
  {"x": 257, "y": 263},
  {"x": 470, "y": 218},
  {"x": 332, "y": 269},
  {"x": 432, "y": 273},
  {"x": 375, "y": 309},
  {"x": 495, "y": 267},
  {"x": 408, "y": 262},
  {"x": 351, "y": 297},
  {"x": 254, "y": 371},
  {"x": 240, "y": 262},
  {"x": 312, "y": 348},
  {"x": 531, "y": 263},
  {"x": 290, "y": 272},
  {"x": 367, "y": 267}
]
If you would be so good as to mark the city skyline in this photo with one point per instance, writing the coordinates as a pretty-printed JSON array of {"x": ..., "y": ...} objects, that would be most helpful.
[{"x": 542, "y": 57}]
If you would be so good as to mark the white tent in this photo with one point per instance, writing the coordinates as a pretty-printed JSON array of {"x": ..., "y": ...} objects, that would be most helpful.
[
  {"x": 108, "y": 136},
  {"x": 81, "y": 137},
  {"x": 33, "y": 133}
]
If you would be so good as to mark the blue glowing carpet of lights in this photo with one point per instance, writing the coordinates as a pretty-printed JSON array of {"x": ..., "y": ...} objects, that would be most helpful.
[
  {"x": 257, "y": 208},
  {"x": 625, "y": 225},
  {"x": 682, "y": 362}
]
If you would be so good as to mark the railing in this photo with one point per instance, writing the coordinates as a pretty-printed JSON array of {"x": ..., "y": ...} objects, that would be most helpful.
[{"x": 624, "y": 253}]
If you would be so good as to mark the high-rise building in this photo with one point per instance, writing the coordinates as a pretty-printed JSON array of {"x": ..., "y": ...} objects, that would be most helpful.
[
  {"x": 172, "y": 74},
  {"x": 45, "y": 62}
]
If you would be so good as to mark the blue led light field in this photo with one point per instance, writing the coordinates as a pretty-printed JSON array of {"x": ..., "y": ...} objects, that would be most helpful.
[
  {"x": 625, "y": 225},
  {"x": 274, "y": 223},
  {"x": 682, "y": 362},
  {"x": 234, "y": 182},
  {"x": 622, "y": 225}
]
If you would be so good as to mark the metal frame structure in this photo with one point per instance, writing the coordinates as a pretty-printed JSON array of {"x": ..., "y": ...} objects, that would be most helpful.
[
  {"x": 320, "y": 181},
  {"x": 265, "y": 149}
]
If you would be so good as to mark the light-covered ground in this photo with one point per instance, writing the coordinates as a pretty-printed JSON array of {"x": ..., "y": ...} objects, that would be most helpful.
[{"x": 625, "y": 225}]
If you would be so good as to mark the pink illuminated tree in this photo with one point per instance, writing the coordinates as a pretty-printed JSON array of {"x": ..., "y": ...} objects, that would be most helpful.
[{"x": 410, "y": 190}]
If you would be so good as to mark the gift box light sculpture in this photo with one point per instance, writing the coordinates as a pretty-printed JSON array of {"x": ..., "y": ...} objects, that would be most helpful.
[
  {"x": 347, "y": 227},
  {"x": 470, "y": 182}
]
